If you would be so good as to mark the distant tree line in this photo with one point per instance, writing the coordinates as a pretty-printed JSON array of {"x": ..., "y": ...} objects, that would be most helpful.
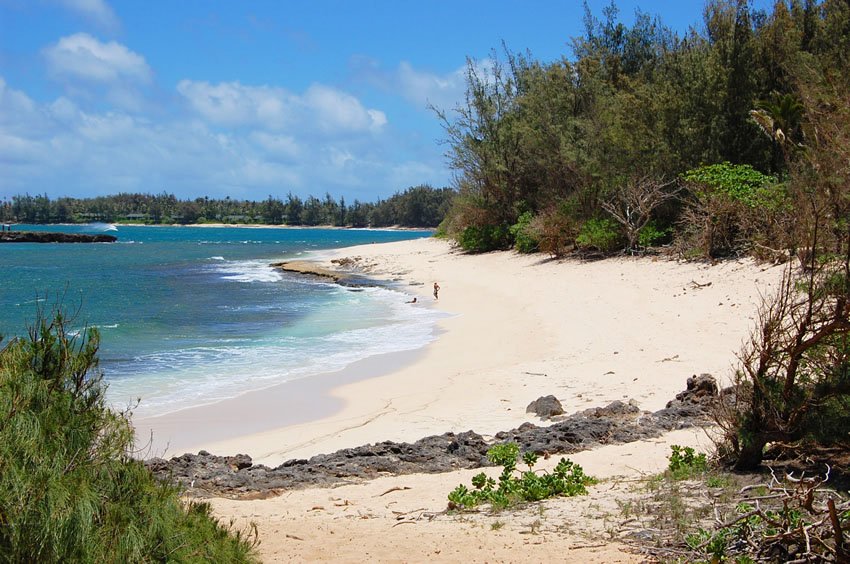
[{"x": 418, "y": 206}]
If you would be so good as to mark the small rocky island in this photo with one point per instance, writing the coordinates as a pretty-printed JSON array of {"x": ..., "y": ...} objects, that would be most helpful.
[{"x": 53, "y": 237}]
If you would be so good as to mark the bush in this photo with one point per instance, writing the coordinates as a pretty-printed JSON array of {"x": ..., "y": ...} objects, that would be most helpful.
[
  {"x": 600, "y": 234},
  {"x": 685, "y": 463},
  {"x": 741, "y": 183},
  {"x": 483, "y": 238},
  {"x": 566, "y": 479},
  {"x": 793, "y": 381},
  {"x": 525, "y": 239},
  {"x": 69, "y": 490},
  {"x": 735, "y": 210},
  {"x": 651, "y": 235},
  {"x": 556, "y": 231}
]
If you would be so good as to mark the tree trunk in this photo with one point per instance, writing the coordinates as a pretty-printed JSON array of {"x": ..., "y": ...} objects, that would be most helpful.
[{"x": 751, "y": 454}]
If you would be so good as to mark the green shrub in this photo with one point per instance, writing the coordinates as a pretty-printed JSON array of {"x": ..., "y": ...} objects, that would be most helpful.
[
  {"x": 740, "y": 182},
  {"x": 686, "y": 463},
  {"x": 69, "y": 489},
  {"x": 513, "y": 486},
  {"x": 736, "y": 209},
  {"x": 525, "y": 240},
  {"x": 480, "y": 239},
  {"x": 599, "y": 234},
  {"x": 651, "y": 234}
]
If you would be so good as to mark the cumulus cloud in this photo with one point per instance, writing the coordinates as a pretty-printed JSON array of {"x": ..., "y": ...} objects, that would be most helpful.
[
  {"x": 325, "y": 140},
  {"x": 83, "y": 57},
  {"x": 233, "y": 104},
  {"x": 320, "y": 107},
  {"x": 337, "y": 110},
  {"x": 95, "y": 11}
]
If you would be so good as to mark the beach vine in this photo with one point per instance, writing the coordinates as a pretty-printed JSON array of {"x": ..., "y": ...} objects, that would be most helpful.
[{"x": 515, "y": 486}]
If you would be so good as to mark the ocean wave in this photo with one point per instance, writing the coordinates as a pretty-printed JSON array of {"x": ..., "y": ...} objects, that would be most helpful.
[
  {"x": 248, "y": 271},
  {"x": 102, "y": 226},
  {"x": 178, "y": 379}
]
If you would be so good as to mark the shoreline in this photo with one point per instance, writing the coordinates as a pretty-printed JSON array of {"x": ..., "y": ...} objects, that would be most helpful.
[
  {"x": 256, "y": 412},
  {"x": 525, "y": 326}
]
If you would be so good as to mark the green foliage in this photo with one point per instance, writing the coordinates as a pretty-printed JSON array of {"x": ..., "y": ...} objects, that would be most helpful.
[
  {"x": 782, "y": 524},
  {"x": 651, "y": 234},
  {"x": 710, "y": 542},
  {"x": 639, "y": 100},
  {"x": 480, "y": 239},
  {"x": 686, "y": 463},
  {"x": 69, "y": 489},
  {"x": 525, "y": 240},
  {"x": 513, "y": 486},
  {"x": 600, "y": 234},
  {"x": 742, "y": 183}
]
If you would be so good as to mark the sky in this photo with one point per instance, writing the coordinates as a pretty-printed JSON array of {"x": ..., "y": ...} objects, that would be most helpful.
[{"x": 254, "y": 98}]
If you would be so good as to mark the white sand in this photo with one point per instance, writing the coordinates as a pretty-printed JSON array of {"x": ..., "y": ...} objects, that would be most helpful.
[{"x": 523, "y": 326}]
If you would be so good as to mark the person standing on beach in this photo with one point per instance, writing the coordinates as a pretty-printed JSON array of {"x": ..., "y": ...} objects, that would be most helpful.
[{"x": 436, "y": 291}]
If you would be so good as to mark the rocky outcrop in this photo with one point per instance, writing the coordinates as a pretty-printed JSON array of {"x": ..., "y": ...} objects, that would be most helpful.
[
  {"x": 618, "y": 422},
  {"x": 50, "y": 237},
  {"x": 697, "y": 400},
  {"x": 545, "y": 407},
  {"x": 222, "y": 475},
  {"x": 313, "y": 269}
]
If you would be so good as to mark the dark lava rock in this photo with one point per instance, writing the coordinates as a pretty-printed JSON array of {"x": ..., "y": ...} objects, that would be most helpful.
[
  {"x": 696, "y": 401},
  {"x": 617, "y": 422},
  {"x": 48, "y": 237},
  {"x": 545, "y": 407}
]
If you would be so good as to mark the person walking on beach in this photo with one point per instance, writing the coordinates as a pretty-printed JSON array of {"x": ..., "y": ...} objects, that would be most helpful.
[{"x": 436, "y": 291}]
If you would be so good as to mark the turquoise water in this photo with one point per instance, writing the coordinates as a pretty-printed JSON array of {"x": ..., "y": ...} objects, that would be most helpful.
[{"x": 192, "y": 315}]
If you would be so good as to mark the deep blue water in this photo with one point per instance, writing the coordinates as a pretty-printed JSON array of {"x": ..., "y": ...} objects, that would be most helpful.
[{"x": 191, "y": 315}]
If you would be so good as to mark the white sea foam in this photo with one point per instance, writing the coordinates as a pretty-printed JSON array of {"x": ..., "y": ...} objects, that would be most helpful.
[
  {"x": 248, "y": 271},
  {"x": 202, "y": 375}
]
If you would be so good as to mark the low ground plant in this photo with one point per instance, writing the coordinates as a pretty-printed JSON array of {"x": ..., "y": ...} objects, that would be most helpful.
[
  {"x": 515, "y": 486},
  {"x": 686, "y": 463}
]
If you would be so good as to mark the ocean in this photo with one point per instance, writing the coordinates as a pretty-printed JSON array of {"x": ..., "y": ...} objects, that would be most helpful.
[{"x": 193, "y": 315}]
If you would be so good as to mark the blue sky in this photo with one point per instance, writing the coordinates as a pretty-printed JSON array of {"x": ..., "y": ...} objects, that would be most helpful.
[{"x": 251, "y": 98}]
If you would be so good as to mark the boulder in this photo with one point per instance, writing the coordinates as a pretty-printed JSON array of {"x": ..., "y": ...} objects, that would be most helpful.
[
  {"x": 701, "y": 390},
  {"x": 545, "y": 407}
]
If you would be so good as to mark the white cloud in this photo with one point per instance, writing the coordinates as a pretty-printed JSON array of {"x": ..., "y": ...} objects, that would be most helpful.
[
  {"x": 64, "y": 148},
  {"x": 233, "y": 104},
  {"x": 320, "y": 107},
  {"x": 96, "y": 11},
  {"x": 276, "y": 146},
  {"x": 424, "y": 88},
  {"x": 337, "y": 110},
  {"x": 420, "y": 87},
  {"x": 83, "y": 57}
]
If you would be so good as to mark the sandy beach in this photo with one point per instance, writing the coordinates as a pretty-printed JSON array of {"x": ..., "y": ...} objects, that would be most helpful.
[{"x": 520, "y": 326}]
